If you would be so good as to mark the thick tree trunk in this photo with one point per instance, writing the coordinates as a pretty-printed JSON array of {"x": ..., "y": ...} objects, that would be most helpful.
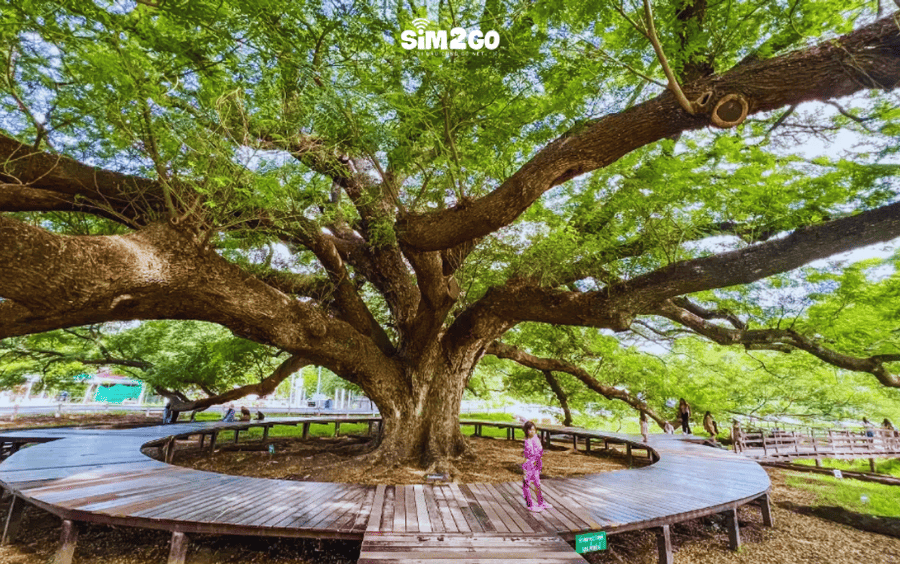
[{"x": 422, "y": 428}]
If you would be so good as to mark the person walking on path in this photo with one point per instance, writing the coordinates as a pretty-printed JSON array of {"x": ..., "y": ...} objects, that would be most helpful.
[
  {"x": 645, "y": 426},
  {"x": 668, "y": 428},
  {"x": 868, "y": 427},
  {"x": 684, "y": 412},
  {"x": 870, "y": 431},
  {"x": 532, "y": 468},
  {"x": 736, "y": 435},
  {"x": 890, "y": 433},
  {"x": 709, "y": 425}
]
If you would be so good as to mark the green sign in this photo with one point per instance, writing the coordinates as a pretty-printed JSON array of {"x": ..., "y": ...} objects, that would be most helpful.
[
  {"x": 117, "y": 393},
  {"x": 590, "y": 542}
]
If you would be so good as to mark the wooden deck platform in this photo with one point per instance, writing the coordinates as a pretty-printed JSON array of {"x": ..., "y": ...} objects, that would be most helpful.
[
  {"x": 425, "y": 548},
  {"x": 101, "y": 476}
]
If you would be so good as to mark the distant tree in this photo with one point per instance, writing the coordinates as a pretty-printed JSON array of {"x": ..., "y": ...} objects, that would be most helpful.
[{"x": 194, "y": 364}]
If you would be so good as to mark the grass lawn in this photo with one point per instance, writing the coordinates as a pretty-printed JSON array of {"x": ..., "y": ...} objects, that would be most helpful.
[
  {"x": 888, "y": 466},
  {"x": 315, "y": 430},
  {"x": 327, "y": 429},
  {"x": 850, "y": 494},
  {"x": 489, "y": 431}
]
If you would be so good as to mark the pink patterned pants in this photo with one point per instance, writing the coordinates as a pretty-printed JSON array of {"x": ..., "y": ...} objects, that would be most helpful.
[{"x": 532, "y": 475}]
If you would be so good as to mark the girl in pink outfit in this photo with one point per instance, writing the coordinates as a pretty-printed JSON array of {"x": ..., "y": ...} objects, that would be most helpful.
[{"x": 532, "y": 468}]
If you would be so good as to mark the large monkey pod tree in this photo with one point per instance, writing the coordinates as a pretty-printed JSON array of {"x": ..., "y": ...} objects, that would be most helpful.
[{"x": 288, "y": 171}]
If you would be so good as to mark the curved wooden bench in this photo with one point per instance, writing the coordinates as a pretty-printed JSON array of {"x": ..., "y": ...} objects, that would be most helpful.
[{"x": 101, "y": 476}]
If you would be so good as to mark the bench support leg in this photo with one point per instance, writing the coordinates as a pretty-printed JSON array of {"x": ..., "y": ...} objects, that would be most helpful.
[
  {"x": 872, "y": 465},
  {"x": 212, "y": 442},
  {"x": 68, "y": 539},
  {"x": 202, "y": 440},
  {"x": 628, "y": 456},
  {"x": 265, "y": 433},
  {"x": 766, "y": 510},
  {"x": 237, "y": 432},
  {"x": 574, "y": 442},
  {"x": 179, "y": 547},
  {"x": 337, "y": 428},
  {"x": 734, "y": 533},
  {"x": 587, "y": 444},
  {"x": 664, "y": 543},
  {"x": 170, "y": 451},
  {"x": 13, "y": 520},
  {"x": 305, "y": 431}
]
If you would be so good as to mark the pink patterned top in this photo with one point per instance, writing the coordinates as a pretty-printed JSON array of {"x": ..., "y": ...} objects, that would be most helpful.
[{"x": 533, "y": 451}]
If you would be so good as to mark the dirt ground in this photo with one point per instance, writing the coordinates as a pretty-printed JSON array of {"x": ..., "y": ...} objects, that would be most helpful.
[
  {"x": 327, "y": 459},
  {"x": 795, "y": 538},
  {"x": 95, "y": 420}
]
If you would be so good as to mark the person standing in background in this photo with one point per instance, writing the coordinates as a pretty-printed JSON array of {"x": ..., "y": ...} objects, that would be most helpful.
[
  {"x": 709, "y": 425},
  {"x": 736, "y": 435},
  {"x": 684, "y": 413}
]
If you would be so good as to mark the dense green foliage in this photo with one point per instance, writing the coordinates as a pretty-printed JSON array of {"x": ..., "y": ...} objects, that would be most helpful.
[{"x": 851, "y": 309}]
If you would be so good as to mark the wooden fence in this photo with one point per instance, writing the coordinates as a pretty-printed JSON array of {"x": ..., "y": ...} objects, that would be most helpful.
[{"x": 775, "y": 444}]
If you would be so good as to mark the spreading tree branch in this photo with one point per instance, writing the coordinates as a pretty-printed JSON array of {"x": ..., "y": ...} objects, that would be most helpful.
[
  {"x": 783, "y": 340},
  {"x": 706, "y": 314},
  {"x": 617, "y": 305},
  {"x": 686, "y": 105},
  {"x": 40, "y": 181},
  {"x": 501, "y": 350},
  {"x": 163, "y": 272},
  {"x": 561, "y": 396},
  {"x": 863, "y": 59},
  {"x": 262, "y": 388}
]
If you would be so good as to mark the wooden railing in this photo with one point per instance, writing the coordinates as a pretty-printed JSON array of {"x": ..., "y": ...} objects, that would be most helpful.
[{"x": 830, "y": 443}]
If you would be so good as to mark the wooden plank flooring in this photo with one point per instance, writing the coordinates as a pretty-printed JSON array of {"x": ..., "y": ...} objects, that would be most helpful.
[
  {"x": 455, "y": 548},
  {"x": 101, "y": 475}
]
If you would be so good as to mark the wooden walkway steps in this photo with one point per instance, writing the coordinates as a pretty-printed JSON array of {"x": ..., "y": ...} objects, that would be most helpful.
[
  {"x": 101, "y": 476},
  {"x": 450, "y": 548}
]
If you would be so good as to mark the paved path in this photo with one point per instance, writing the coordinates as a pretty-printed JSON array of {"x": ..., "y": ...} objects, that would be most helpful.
[{"x": 101, "y": 476}]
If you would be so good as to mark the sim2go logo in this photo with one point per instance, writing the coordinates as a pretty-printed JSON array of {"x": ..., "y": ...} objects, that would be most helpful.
[{"x": 423, "y": 39}]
